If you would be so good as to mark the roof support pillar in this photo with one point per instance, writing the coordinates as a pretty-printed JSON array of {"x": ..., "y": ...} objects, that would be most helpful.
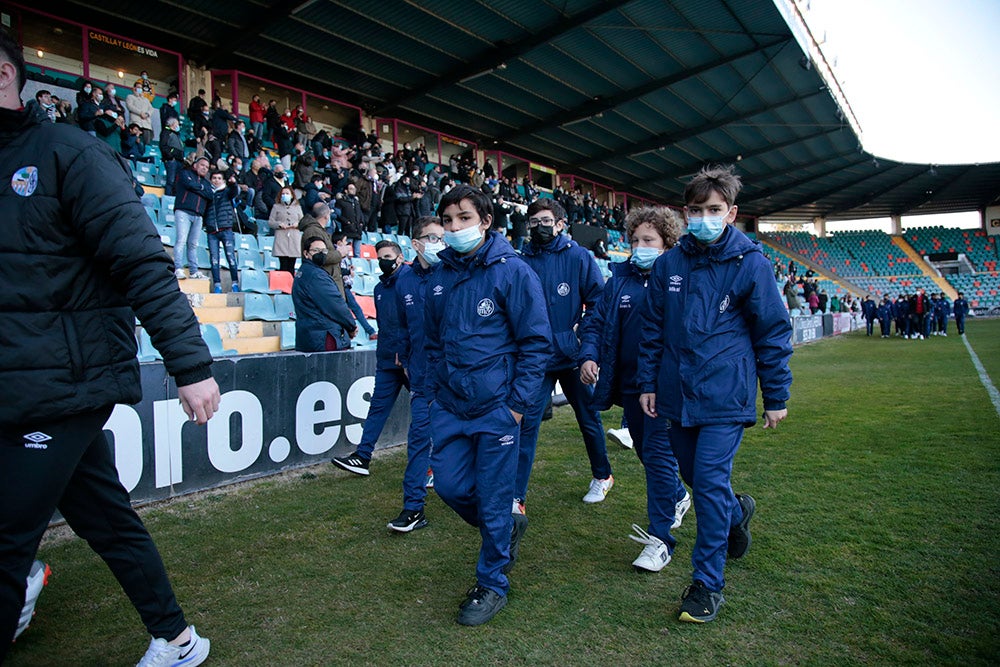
[
  {"x": 819, "y": 226},
  {"x": 897, "y": 224}
]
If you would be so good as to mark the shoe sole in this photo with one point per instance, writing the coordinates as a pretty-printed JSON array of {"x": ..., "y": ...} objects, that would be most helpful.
[
  {"x": 679, "y": 516},
  {"x": 647, "y": 570},
  {"x": 409, "y": 528},
  {"x": 688, "y": 618},
  {"x": 364, "y": 472},
  {"x": 613, "y": 437},
  {"x": 744, "y": 525},
  {"x": 482, "y": 618}
]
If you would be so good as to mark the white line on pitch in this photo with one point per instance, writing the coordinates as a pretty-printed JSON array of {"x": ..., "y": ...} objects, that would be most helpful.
[{"x": 984, "y": 376}]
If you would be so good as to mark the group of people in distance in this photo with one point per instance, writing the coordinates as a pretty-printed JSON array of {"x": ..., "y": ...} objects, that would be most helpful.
[
  {"x": 680, "y": 337},
  {"x": 916, "y": 316}
]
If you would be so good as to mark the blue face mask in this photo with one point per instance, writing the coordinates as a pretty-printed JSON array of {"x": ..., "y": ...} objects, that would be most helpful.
[
  {"x": 464, "y": 240},
  {"x": 707, "y": 228},
  {"x": 643, "y": 257},
  {"x": 431, "y": 251}
]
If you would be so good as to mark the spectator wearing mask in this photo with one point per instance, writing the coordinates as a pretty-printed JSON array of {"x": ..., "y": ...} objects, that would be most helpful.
[
  {"x": 313, "y": 193},
  {"x": 169, "y": 110},
  {"x": 141, "y": 113},
  {"x": 145, "y": 86},
  {"x": 110, "y": 128},
  {"x": 194, "y": 193},
  {"x": 255, "y": 178},
  {"x": 85, "y": 93},
  {"x": 133, "y": 147},
  {"x": 111, "y": 101},
  {"x": 172, "y": 152},
  {"x": 257, "y": 112},
  {"x": 343, "y": 247},
  {"x": 272, "y": 186},
  {"x": 349, "y": 214},
  {"x": 236, "y": 142},
  {"x": 221, "y": 118},
  {"x": 197, "y": 105},
  {"x": 90, "y": 109},
  {"x": 284, "y": 220},
  {"x": 322, "y": 320},
  {"x": 43, "y": 106}
]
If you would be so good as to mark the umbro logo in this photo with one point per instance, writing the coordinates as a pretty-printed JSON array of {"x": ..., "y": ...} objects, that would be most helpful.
[
  {"x": 675, "y": 279},
  {"x": 507, "y": 440},
  {"x": 438, "y": 290},
  {"x": 36, "y": 440}
]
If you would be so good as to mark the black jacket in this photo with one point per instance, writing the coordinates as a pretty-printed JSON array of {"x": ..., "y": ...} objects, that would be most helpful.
[{"x": 81, "y": 255}]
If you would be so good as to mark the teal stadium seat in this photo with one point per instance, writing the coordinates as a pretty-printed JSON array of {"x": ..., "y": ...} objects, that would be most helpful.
[{"x": 214, "y": 341}]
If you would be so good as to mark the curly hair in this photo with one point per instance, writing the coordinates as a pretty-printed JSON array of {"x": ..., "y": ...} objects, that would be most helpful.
[{"x": 661, "y": 218}]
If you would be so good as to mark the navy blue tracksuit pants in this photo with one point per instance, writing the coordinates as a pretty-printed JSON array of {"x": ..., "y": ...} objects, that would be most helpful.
[
  {"x": 418, "y": 453},
  {"x": 705, "y": 458},
  {"x": 474, "y": 463},
  {"x": 663, "y": 485},
  {"x": 580, "y": 397},
  {"x": 388, "y": 383}
]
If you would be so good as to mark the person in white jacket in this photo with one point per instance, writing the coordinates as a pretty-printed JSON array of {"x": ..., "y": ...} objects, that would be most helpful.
[{"x": 140, "y": 112}]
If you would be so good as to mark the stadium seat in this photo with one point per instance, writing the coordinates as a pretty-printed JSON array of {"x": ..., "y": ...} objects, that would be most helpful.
[
  {"x": 265, "y": 242},
  {"x": 270, "y": 262},
  {"x": 146, "y": 350},
  {"x": 288, "y": 335},
  {"x": 259, "y": 307},
  {"x": 365, "y": 284},
  {"x": 368, "y": 252},
  {"x": 153, "y": 215},
  {"x": 214, "y": 341},
  {"x": 248, "y": 259},
  {"x": 367, "y": 304},
  {"x": 361, "y": 265},
  {"x": 152, "y": 201},
  {"x": 284, "y": 306},
  {"x": 252, "y": 280},
  {"x": 168, "y": 234},
  {"x": 247, "y": 242},
  {"x": 280, "y": 281}
]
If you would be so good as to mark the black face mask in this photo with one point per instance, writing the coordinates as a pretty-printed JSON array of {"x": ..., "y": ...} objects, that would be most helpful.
[
  {"x": 387, "y": 266},
  {"x": 542, "y": 235},
  {"x": 319, "y": 258}
]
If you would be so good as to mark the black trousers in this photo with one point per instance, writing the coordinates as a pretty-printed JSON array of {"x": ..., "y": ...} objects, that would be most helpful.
[{"x": 67, "y": 464}]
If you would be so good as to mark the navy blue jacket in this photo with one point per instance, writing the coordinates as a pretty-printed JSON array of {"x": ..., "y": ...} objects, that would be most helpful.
[
  {"x": 411, "y": 295},
  {"x": 961, "y": 308},
  {"x": 868, "y": 309},
  {"x": 900, "y": 308},
  {"x": 193, "y": 193},
  {"x": 219, "y": 214},
  {"x": 320, "y": 309},
  {"x": 488, "y": 335},
  {"x": 570, "y": 279},
  {"x": 714, "y": 326},
  {"x": 392, "y": 336},
  {"x": 611, "y": 334},
  {"x": 942, "y": 308},
  {"x": 884, "y": 311}
]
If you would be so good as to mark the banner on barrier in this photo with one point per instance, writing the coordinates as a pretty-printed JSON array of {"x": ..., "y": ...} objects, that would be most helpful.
[
  {"x": 841, "y": 323},
  {"x": 277, "y": 412},
  {"x": 807, "y": 328}
]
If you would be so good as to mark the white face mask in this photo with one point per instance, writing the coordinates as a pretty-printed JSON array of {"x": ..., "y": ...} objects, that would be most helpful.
[
  {"x": 431, "y": 251},
  {"x": 286, "y": 199}
]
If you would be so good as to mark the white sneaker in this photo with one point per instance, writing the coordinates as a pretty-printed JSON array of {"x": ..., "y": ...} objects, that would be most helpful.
[
  {"x": 680, "y": 509},
  {"x": 598, "y": 490},
  {"x": 197, "y": 275},
  {"x": 180, "y": 274},
  {"x": 162, "y": 654},
  {"x": 654, "y": 556},
  {"x": 620, "y": 436},
  {"x": 38, "y": 578}
]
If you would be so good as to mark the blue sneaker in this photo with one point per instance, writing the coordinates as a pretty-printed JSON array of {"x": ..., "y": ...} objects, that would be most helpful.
[{"x": 236, "y": 288}]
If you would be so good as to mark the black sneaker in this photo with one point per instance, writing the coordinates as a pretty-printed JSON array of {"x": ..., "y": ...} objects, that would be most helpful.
[
  {"x": 481, "y": 604},
  {"x": 352, "y": 463},
  {"x": 700, "y": 605},
  {"x": 739, "y": 537},
  {"x": 516, "y": 533},
  {"x": 408, "y": 520}
]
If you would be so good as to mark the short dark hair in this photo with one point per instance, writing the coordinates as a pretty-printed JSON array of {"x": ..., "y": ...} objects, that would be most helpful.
[
  {"x": 338, "y": 236},
  {"x": 716, "y": 178},
  {"x": 480, "y": 202},
  {"x": 306, "y": 242},
  {"x": 40, "y": 93},
  {"x": 558, "y": 212},
  {"x": 172, "y": 95},
  {"x": 422, "y": 223},
  {"x": 11, "y": 50},
  {"x": 386, "y": 243}
]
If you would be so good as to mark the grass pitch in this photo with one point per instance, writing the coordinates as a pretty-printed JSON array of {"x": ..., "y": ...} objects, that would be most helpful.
[{"x": 875, "y": 542}]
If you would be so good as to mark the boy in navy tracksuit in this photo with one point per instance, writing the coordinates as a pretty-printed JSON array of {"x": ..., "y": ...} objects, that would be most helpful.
[
  {"x": 487, "y": 349},
  {"x": 901, "y": 312},
  {"x": 869, "y": 312},
  {"x": 411, "y": 295},
  {"x": 609, "y": 356},
  {"x": 884, "y": 313},
  {"x": 391, "y": 348},
  {"x": 961, "y": 308},
  {"x": 715, "y": 326},
  {"x": 219, "y": 218},
  {"x": 570, "y": 281},
  {"x": 941, "y": 313}
]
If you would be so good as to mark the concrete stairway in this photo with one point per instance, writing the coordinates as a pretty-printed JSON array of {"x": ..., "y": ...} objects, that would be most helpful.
[{"x": 924, "y": 267}]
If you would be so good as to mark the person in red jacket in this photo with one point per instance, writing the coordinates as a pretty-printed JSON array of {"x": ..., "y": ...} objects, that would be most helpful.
[{"x": 257, "y": 111}]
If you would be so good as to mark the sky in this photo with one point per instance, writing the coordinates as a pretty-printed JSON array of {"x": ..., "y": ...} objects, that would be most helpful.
[{"x": 923, "y": 79}]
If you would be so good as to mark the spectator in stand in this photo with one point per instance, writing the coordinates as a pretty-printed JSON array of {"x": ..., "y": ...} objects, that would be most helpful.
[
  {"x": 343, "y": 246},
  {"x": 283, "y": 140},
  {"x": 236, "y": 142},
  {"x": 141, "y": 113},
  {"x": 284, "y": 220},
  {"x": 43, "y": 106},
  {"x": 314, "y": 225},
  {"x": 322, "y": 321},
  {"x": 404, "y": 202},
  {"x": 194, "y": 193},
  {"x": 349, "y": 214},
  {"x": 257, "y": 111},
  {"x": 221, "y": 119},
  {"x": 813, "y": 302},
  {"x": 313, "y": 193},
  {"x": 169, "y": 110},
  {"x": 884, "y": 314},
  {"x": 961, "y": 309},
  {"x": 202, "y": 125},
  {"x": 89, "y": 110},
  {"x": 835, "y": 304},
  {"x": 220, "y": 217},
  {"x": 272, "y": 186},
  {"x": 85, "y": 94},
  {"x": 197, "y": 106},
  {"x": 823, "y": 301},
  {"x": 112, "y": 102},
  {"x": 869, "y": 311},
  {"x": 392, "y": 348},
  {"x": 304, "y": 166},
  {"x": 110, "y": 128},
  {"x": 172, "y": 153},
  {"x": 132, "y": 145},
  {"x": 272, "y": 119},
  {"x": 145, "y": 86}
]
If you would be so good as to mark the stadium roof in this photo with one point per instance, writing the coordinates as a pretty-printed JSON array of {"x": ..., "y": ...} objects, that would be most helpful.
[{"x": 634, "y": 94}]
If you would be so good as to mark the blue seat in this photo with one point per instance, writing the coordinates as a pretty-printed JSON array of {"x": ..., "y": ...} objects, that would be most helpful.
[
  {"x": 403, "y": 240},
  {"x": 146, "y": 350},
  {"x": 365, "y": 285},
  {"x": 409, "y": 254},
  {"x": 252, "y": 280},
  {"x": 168, "y": 235},
  {"x": 214, "y": 341},
  {"x": 246, "y": 242},
  {"x": 151, "y": 200},
  {"x": 271, "y": 262},
  {"x": 248, "y": 259},
  {"x": 288, "y": 335},
  {"x": 361, "y": 265},
  {"x": 153, "y": 215},
  {"x": 259, "y": 307},
  {"x": 265, "y": 242},
  {"x": 284, "y": 306}
]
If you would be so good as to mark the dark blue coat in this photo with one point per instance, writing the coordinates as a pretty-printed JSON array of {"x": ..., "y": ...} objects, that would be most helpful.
[
  {"x": 220, "y": 213},
  {"x": 884, "y": 311},
  {"x": 900, "y": 308},
  {"x": 193, "y": 193},
  {"x": 868, "y": 309},
  {"x": 715, "y": 325},
  {"x": 411, "y": 295},
  {"x": 320, "y": 309},
  {"x": 961, "y": 308},
  {"x": 611, "y": 334},
  {"x": 393, "y": 339},
  {"x": 570, "y": 279},
  {"x": 488, "y": 335}
]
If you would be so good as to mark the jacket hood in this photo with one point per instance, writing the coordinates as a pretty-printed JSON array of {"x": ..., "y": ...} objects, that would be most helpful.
[
  {"x": 493, "y": 250},
  {"x": 558, "y": 244},
  {"x": 733, "y": 243},
  {"x": 13, "y": 122}
]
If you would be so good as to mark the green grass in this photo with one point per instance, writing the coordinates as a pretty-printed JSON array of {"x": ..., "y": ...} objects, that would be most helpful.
[{"x": 875, "y": 542}]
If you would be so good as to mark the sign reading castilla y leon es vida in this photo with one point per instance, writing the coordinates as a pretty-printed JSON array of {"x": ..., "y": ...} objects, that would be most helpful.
[{"x": 123, "y": 44}]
